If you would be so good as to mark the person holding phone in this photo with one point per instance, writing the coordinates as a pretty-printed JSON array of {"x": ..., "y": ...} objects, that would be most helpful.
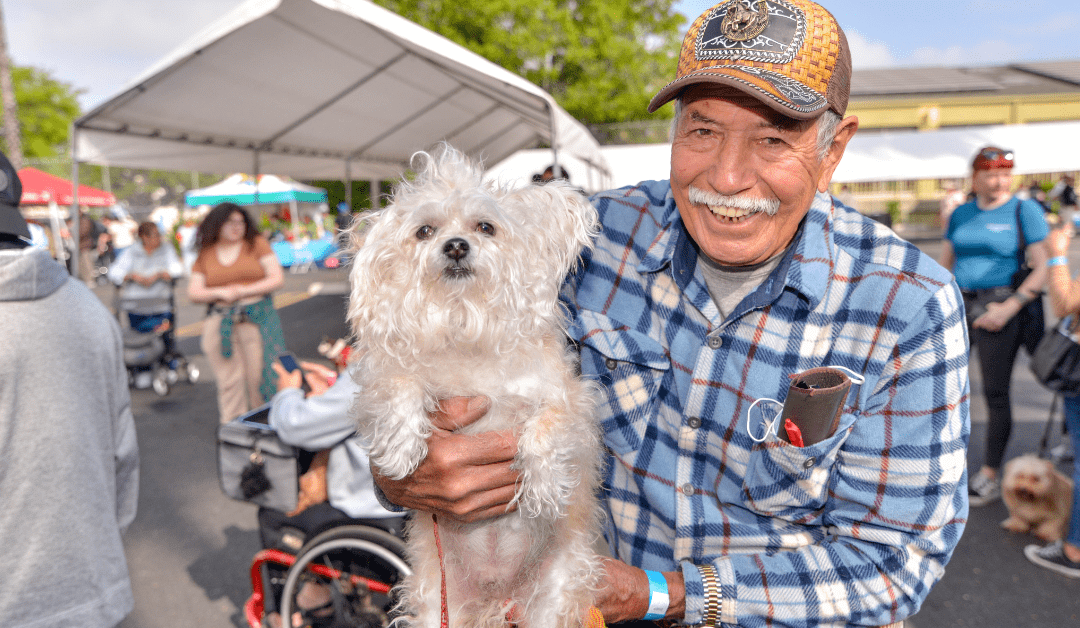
[
  {"x": 337, "y": 487},
  {"x": 234, "y": 274}
]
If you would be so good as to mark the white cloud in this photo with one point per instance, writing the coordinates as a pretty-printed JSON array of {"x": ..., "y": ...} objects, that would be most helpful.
[{"x": 866, "y": 54}]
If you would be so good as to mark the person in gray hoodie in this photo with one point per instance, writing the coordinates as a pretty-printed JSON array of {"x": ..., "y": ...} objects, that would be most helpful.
[{"x": 69, "y": 462}]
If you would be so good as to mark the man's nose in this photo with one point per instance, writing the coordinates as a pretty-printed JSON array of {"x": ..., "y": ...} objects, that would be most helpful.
[{"x": 732, "y": 170}]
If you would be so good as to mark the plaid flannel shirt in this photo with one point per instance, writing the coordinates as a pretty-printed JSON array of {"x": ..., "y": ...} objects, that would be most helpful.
[{"x": 852, "y": 530}]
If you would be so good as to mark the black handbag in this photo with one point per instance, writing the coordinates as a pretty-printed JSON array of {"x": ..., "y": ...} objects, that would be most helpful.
[
  {"x": 1056, "y": 361},
  {"x": 1032, "y": 317}
]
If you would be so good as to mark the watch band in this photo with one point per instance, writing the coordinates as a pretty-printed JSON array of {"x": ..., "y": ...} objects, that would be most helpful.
[{"x": 713, "y": 597}]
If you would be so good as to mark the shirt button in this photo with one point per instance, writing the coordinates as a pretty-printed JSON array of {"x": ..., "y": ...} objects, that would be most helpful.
[
  {"x": 693, "y": 422},
  {"x": 715, "y": 342},
  {"x": 688, "y": 489},
  {"x": 611, "y": 363},
  {"x": 809, "y": 463}
]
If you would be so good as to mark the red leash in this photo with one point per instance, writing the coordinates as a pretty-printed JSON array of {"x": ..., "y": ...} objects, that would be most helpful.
[{"x": 444, "y": 621}]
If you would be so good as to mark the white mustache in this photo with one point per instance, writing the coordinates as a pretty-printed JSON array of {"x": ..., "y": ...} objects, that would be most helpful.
[{"x": 741, "y": 201}]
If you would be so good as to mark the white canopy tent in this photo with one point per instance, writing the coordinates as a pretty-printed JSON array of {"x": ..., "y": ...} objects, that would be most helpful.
[
  {"x": 1044, "y": 147},
  {"x": 324, "y": 89},
  {"x": 1041, "y": 148}
]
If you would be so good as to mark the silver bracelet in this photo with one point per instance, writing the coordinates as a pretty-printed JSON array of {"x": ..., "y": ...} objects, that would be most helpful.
[
  {"x": 714, "y": 600},
  {"x": 1022, "y": 298}
]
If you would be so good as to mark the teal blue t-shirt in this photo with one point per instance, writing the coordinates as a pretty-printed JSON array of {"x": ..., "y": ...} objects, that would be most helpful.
[{"x": 984, "y": 242}]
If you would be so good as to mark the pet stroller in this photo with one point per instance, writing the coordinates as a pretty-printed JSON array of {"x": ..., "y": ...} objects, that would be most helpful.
[{"x": 149, "y": 351}]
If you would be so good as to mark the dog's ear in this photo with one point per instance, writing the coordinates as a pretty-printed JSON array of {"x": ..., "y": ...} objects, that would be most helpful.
[{"x": 564, "y": 222}]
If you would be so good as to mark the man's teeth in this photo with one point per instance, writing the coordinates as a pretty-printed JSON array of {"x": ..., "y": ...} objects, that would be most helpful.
[{"x": 729, "y": 212}]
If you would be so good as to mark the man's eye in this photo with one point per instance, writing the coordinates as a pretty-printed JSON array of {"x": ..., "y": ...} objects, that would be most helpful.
[
  {"x": 425, "y": 232},
  {"x": 486, "y": 228}
]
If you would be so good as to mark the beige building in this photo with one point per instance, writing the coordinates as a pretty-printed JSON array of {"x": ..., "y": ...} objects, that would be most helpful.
[{"x": 920, "y": 127}]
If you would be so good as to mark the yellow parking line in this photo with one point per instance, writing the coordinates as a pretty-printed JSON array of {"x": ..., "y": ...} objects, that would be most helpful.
[{"x": 282, "y": 299}]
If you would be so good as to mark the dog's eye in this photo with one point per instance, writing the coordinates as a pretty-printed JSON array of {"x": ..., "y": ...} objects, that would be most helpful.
[
  {"x": 486, "y": 228},
  {"x": 425, "y": 232}
]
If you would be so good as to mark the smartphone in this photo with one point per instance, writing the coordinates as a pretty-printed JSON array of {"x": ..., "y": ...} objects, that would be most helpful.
[{"x": 288, "y": 361}]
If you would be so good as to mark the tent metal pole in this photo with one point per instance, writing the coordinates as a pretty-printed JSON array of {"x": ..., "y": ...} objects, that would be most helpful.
[
  {"x": 554, "y": 137},
  {"x": 375, "y": 190},
  {"x": 255, "y": 172},
  {"x": 348, "y": 184},
  {"x": 75, "y": 268}
]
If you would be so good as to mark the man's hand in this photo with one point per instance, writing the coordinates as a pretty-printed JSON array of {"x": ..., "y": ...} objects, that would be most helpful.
[
  {"x": 463, "y": 477},
  {"x": 624, "y": 593}
]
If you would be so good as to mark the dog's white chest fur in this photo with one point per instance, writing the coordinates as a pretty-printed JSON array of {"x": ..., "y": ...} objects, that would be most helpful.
[{"x": 455, "y": 293}]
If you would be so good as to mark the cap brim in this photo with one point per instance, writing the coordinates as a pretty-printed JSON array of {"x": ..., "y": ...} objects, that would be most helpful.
[
  {"x": 787, "y": 97},
  {"x": 12, "y": 222}
]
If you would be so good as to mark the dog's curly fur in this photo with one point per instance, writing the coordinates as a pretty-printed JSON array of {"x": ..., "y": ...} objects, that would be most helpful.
[
  {"x": 1038, "y": 496},
  {"x": 455, "y": 291}
]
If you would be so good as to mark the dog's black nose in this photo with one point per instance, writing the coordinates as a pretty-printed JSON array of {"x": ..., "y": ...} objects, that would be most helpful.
[{"x": 456, "y": 248}]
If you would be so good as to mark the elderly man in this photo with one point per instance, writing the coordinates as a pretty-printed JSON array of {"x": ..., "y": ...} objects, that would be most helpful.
[{"x": 703, "y": 296}]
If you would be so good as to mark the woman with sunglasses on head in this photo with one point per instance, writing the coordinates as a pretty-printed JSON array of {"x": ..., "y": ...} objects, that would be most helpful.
[
  {"x": 234, "y": 274},
  {"x": 985, "y": 243}
]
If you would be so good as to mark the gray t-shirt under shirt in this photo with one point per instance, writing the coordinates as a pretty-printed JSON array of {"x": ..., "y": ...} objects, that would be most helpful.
[{"x": 728, "y": 285}]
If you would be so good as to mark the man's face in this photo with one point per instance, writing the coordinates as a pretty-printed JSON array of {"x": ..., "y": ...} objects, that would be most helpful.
[{"x": 728, "y": 144}]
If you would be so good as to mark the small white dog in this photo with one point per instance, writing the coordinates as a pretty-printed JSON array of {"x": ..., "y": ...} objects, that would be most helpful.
[
  {"x": 455, "y": 291},
  {"x": 1038, "y": 496}
]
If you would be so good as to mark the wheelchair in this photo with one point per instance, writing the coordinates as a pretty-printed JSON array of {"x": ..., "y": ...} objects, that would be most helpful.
[{"x": 358, "y": 563}]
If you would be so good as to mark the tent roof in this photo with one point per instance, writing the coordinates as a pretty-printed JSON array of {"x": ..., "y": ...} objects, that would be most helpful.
[
  {"x": 1043, "y": 147},
  {"x": 39, "y": 188},
  {"x": 310, "y": 84}
]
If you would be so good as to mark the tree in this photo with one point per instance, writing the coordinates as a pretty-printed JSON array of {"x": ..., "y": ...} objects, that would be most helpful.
[
  {"x": 602, "y": 60},
  {"x": 47, "y": 108},
  {"x": 11, "y": 124}
]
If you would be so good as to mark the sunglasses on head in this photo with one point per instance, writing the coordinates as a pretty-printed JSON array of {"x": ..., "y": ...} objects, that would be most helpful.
[{"x": 993, "y": 154}]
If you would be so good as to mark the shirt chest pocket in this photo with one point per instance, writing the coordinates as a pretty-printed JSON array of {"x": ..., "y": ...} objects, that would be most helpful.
[
  {"x": 631, "y": 366},
  {"x": 791, "y": 482}
]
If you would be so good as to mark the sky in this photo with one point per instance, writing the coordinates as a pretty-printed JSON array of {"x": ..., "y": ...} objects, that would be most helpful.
[{"x": 99, "y": 46}]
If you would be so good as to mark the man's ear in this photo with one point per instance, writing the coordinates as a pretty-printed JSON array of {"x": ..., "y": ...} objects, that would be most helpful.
[{"x": 845, "y": 129}]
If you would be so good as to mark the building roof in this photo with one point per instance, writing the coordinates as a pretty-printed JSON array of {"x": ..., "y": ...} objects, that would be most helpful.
[{"x": 1050, "y": 77}]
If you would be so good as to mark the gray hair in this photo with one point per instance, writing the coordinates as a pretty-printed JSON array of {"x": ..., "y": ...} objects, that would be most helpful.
[{"x": 826, "y": 127}]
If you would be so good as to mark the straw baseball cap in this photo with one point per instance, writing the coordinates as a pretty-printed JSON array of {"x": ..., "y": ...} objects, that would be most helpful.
[
  {"x": 789, "y": 54},
  {"x": 11, "y": 219}
]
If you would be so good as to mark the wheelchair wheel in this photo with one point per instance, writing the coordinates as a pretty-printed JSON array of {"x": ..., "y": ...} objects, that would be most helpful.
[{"x": 359, "y": 566}]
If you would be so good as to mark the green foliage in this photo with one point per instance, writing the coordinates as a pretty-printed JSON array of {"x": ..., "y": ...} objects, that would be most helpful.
[
  {"x": 47, "y": 108},
  {"x": 602, "y": 60}
]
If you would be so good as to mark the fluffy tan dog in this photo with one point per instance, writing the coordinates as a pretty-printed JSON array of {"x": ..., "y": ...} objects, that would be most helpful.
[
  {"x": 1038, "y": 496},
  {"x": 455, "y": 292}
]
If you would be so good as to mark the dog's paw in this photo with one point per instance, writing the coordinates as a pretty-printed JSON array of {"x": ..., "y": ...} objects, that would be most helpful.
[
  {"x": 1013, "y": 524},
  {"x": 1051, "y": 531},
  {"x": 543, "y": 493},
  {"x": 399, "y": 460}
]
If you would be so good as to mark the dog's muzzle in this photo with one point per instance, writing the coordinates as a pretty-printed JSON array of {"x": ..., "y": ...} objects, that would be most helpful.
[{"x": 457, "y": 251}]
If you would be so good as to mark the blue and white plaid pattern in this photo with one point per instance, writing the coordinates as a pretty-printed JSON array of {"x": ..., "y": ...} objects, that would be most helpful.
[{"x": 852, "y": 530}]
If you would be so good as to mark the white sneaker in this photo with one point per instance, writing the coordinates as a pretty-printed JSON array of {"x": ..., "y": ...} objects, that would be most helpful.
[
  {"x": 143, "y": 379},
  {"x": 982, "y": 490}
]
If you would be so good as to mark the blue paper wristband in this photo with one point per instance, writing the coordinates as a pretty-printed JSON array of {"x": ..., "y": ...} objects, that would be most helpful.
[
  {"x": 1060, "y": 260},
  {"x": 658, "y": 596}
]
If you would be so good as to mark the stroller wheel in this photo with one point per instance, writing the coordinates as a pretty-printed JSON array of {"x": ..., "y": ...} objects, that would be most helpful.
[{"x": 161, "y": 382}]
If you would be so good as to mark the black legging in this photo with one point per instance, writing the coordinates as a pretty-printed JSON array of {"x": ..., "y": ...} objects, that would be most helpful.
[{"x": 997, "y": 353}]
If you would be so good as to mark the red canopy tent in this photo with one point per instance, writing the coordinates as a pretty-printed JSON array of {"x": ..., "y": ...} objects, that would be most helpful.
[{"x": 41, "y": 188}]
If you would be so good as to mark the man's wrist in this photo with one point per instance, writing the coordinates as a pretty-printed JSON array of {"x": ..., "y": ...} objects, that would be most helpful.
[{"x": 710, "y": 582}]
